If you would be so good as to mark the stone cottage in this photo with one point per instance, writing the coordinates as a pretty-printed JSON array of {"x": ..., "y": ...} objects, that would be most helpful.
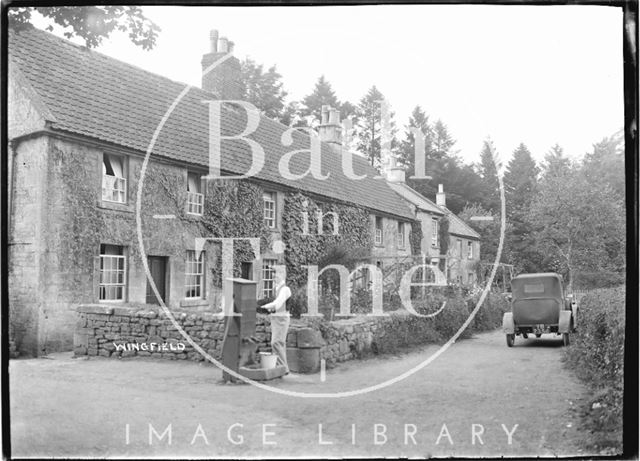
[
  {"x": 79, "y": 127},
  {"x": 463, "y": 253}
]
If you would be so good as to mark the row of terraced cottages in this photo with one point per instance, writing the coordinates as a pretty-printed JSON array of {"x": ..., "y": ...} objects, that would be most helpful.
[{"x": 80, "y": 124}]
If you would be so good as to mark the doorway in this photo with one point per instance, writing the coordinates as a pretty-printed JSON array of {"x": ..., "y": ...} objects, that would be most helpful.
[{"x": 158, "y": 269}]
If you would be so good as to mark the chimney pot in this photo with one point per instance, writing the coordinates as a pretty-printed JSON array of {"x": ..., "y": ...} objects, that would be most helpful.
[
  {"x": 224, "y": 80},
  {"x": 223, "y": 44},
  {"x": 213, "y": 40},
  {"x": 396, "y": 174},
  {"x": 324, "y": 114},
  {"x": 441, "y": 198},
  {"x": 330, "y": 129},
  {"x": 334, "y": 117}
]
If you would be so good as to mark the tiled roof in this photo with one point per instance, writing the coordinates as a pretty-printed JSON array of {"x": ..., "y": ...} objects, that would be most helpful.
[
  {"x": 97, "y": 96},
  {"x": 458, "y": 227},
  {"x": 415, "y": 197}
]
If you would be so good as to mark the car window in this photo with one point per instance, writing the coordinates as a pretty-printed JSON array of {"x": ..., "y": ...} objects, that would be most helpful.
[{"x": 534, "y": 288}]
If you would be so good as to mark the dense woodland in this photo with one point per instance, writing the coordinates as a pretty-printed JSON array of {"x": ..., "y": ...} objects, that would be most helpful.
[{"x": 563, "y": 215}]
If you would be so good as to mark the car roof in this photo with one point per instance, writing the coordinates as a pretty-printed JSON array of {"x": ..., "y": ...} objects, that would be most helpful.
[{"x": 538, "y": 276}]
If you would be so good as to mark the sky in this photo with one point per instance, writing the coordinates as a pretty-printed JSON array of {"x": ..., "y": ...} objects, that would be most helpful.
[{"x": 535, "y": 74}]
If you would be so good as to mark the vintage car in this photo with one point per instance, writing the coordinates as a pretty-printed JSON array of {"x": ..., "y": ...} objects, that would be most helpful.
[{"x": 539, "y": 305}]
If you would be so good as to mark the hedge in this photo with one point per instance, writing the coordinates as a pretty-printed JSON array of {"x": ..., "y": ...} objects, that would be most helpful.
[
  {"x": 597, "y": 357},
  {"x": 402, "y": 329}
]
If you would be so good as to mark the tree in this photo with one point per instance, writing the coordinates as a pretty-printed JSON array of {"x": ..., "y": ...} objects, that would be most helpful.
[
  {"x": 442, "y": 140},
  {"x": 291, "y": 115},
  {"x": 605, "y": 164},
  {"x": 321, "y": 95},
  {"x": 348, "y": 110},
  {"x": 264, "y": 90},
  {"x": 581, "y": 227},
  {"x": 368, "y": 129},
  {"x": 556, "y": 163},
  {"x": 419, "y": 120},
  {"x": 489, "y": 174},
  {"x": 462, "y": 184},
  {"x": 489, "y": 230},
  {"x": 91, "y": 23},
  {"x": 520, "y": 180},
  {"x": 310, "y": 111}
]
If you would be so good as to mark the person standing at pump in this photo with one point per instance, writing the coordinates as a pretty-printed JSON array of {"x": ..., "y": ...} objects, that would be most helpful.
[{"x": 280, "y": 318}]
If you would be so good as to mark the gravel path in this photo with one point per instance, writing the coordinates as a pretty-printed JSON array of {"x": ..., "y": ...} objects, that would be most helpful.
[{"x": 68, "y": 407}]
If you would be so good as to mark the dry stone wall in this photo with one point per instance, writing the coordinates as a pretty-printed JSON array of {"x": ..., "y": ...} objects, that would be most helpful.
[{"x": 109, "y": 331}]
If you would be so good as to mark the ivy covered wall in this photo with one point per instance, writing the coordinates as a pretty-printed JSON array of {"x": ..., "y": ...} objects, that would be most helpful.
[
  {"x": 77, "y": 222},
  {"x": 308, "y": 248}
]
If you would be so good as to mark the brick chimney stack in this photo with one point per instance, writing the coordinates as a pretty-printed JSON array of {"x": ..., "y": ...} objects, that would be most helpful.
[
  {"x": 441, "y": 197},
  {"x": 330, "y": 129},
  {"x": 224, "y": 79}
]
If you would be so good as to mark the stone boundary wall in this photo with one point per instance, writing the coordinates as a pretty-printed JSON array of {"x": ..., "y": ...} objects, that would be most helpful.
[{"x": 100, "y": 328}]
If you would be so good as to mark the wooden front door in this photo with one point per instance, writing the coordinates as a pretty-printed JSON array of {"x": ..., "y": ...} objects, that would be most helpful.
[{"x": 158, "y": 269}]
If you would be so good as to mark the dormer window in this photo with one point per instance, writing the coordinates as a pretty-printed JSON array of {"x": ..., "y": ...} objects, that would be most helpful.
[
  {"x": 195, "y": 198},
  {"x": 114, "y": 182}
]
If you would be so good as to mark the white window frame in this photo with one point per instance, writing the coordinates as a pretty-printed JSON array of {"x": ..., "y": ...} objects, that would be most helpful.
[
  {"x": 194, "y": 275},
  {"x": 378, "y": 230},
  {"x": 269, "y": 209},
  {"x": 268, "y": 277},
  {"x": 470, "y": 250},
  {"x": 114, "y": 187},
  {"x": 401, "y": 235},
  {"x": 195, "y": 199},
  {"x": 120, "y": 271},
  {"x": 434, "y": 232}
]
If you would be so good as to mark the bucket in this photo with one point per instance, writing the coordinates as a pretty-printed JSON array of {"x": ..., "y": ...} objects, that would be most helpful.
[{"x": 268, "y": 360}]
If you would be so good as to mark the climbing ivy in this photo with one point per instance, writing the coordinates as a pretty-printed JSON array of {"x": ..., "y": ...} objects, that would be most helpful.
[
  {"x": 234, "y": 208},
  {"x": 415, "y": 238},
  {"x": 443, "y": 239},
  {"x": 308, "y": 248}
]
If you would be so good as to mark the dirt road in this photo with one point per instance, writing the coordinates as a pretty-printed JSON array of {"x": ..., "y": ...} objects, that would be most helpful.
[{"x": 78, "y": 407}]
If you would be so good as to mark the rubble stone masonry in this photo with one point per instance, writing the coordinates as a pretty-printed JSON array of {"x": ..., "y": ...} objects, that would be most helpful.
[{"x": 100, "y": 328}]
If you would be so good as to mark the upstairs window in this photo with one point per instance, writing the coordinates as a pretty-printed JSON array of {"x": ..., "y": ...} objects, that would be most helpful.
[
  {"x": 195, "y": 198},
  {"x": 378, "y": 236},
  {"x": 401, "y": 236},
  {"x": 194, "y": 275},
  {"x": 269, "y": 200},
  {"x": 113, "y": 273},
  {"x": 114, "y": 182},
  {"x": 459, "y": 248},
  {"x": 470, "y": 250},
  {"x": 434, "y": 232}
]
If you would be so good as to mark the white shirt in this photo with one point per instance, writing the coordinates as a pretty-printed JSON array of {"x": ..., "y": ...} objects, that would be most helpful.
[{"x": 283, "y": 293}]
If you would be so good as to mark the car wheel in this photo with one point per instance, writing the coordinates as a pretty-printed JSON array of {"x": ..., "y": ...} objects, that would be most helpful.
[
  {"x": 510, "y": 338},
  {"x": 538, "y": 335},
  {"x": 525, "y": 335},
  {"x": 565, "y": 339}
]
